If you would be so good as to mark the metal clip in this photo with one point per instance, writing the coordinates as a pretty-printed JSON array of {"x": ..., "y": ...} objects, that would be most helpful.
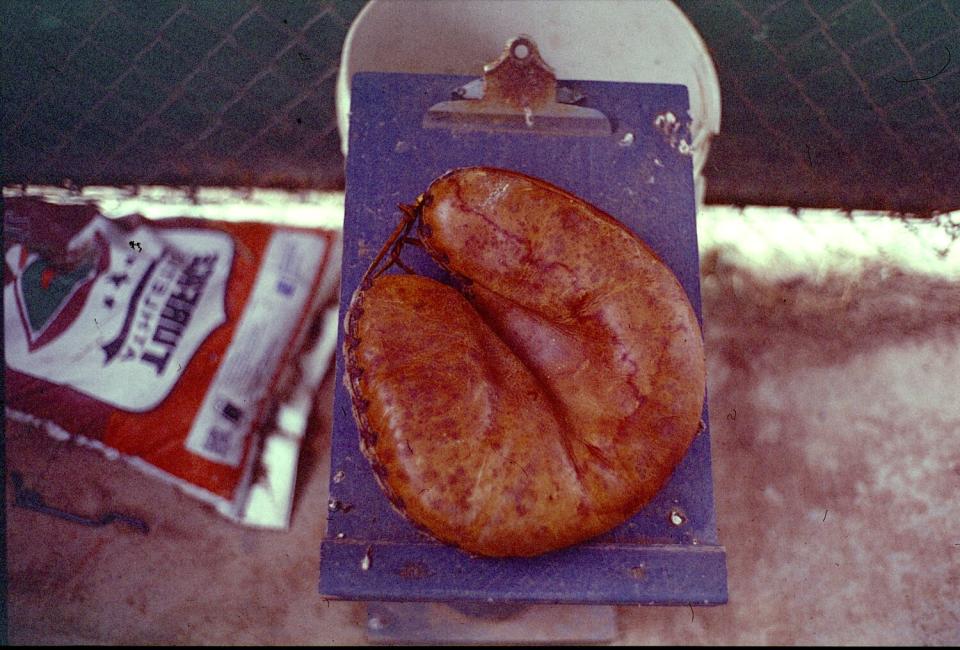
[{"x": 519, "y": 93}]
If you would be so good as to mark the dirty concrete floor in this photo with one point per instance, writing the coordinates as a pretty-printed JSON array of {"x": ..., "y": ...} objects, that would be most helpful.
[{"x": 836, "y": 447}]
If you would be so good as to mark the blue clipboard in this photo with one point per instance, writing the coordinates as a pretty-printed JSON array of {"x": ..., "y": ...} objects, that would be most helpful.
[{"x": 640, "y": 173}]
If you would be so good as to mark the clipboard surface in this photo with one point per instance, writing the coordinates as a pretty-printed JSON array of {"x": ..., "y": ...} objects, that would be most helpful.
[{"x": 642, "y": 174}]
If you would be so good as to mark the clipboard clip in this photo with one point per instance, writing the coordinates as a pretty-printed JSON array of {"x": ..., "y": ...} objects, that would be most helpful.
[{"x": 518, "y": 93}]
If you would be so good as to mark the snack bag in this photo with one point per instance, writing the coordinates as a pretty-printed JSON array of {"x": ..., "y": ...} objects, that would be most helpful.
[{"x": 162, "y": 341}]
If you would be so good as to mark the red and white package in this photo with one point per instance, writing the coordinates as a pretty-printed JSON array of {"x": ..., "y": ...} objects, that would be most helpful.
[{"x": 167, "y": 342}]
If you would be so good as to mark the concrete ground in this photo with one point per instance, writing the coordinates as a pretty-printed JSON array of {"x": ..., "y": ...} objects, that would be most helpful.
[{"x": 836, "y": 451}]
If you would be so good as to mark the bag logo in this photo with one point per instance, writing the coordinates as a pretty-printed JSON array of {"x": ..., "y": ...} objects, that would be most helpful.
[{"x": 50, "y": 296}]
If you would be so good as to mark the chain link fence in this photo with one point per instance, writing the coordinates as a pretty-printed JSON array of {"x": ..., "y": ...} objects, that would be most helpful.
[
  {"x": 826, "y": 103},
  {"x": 186, "y": 93},
  {"x": 835, "y": 103}
]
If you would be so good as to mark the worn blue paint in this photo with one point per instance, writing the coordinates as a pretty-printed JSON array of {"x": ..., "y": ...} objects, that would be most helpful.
[{"x": 648, "y": 185}]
